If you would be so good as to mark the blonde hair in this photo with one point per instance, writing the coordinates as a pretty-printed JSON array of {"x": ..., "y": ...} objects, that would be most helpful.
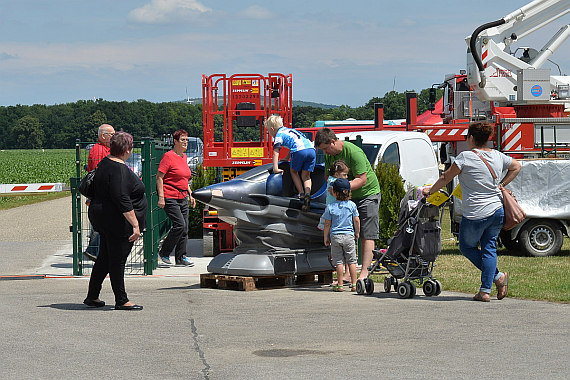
[{"x": 273, "y": 122}]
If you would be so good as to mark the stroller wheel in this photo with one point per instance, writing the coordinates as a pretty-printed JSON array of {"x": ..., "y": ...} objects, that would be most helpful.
[
  {"x": 413, "y": 290},
  {"x": 437, "y": 287},
  {"x": 360, "y": 288},
  {"x": 404, "y": 290},
  {"x": 430, "y": 288},
  {"x": 368, "y": 286},
  {"x": 387, "y": 284}
]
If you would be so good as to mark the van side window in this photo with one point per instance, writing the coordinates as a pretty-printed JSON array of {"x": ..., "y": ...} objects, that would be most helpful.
[{"x": 392, "y": 155}]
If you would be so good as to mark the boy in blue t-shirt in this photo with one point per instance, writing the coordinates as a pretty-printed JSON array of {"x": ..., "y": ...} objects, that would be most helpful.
[
  {"x": 342, "y": 226},
  {"x": 303, "y": 155}
]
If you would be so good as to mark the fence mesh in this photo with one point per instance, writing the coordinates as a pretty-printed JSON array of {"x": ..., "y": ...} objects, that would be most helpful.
[{"x": 144, "y": 162}]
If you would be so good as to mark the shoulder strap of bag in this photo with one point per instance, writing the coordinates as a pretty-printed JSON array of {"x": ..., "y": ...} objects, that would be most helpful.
[
  {"x": 182, "y": 191},
  {"x": 486, "y": 163}
]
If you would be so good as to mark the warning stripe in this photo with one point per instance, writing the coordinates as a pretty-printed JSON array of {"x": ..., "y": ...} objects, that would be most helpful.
[
  {"x": 511, "y": 138},
  {"x": 441, "y": 134},
  {"x": 31, "y": 188}
]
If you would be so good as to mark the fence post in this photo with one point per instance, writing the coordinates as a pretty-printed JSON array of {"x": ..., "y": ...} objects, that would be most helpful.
[
  {"x": 146, "y": 156},
  {"x": 76, "y": 226},
  {"x": 76, "y": 214}
]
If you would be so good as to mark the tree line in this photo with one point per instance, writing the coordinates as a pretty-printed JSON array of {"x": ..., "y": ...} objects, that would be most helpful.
[{"x": 60, "y": 126}]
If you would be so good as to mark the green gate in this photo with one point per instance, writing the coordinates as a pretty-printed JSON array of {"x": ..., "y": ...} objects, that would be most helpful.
[{"x": 144, "y": 162}]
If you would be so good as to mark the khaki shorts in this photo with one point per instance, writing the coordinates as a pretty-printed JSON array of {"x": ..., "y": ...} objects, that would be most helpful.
[
  {"x": 368, "y": 214},
  {"x": 343, "y": 249}
]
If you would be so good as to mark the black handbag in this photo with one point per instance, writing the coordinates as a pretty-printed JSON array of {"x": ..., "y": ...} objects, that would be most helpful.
[{"x": 86, "y": 186}]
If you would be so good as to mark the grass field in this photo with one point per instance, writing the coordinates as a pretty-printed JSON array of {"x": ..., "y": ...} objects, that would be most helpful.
[{"x": 35, "y": 166}]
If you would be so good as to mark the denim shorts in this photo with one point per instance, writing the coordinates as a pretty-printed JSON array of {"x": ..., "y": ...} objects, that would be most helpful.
[{"x": 304, "y": 160}]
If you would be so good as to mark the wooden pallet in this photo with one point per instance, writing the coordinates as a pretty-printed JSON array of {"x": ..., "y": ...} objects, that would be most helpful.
[{"x": 246, "y": 283}]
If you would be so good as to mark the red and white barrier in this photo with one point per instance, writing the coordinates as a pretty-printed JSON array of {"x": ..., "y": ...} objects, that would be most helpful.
[{"x": 31, "y": 188}]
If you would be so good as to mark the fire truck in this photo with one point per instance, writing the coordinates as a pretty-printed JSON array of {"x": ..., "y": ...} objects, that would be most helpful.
[{"x": 530, "y": 109}]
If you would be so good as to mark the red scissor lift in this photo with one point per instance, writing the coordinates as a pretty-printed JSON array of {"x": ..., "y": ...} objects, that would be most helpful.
[{"x": 231, "y": 103}]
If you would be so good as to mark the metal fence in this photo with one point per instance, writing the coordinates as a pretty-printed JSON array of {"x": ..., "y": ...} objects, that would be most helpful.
[{"x": 143, "y": 258}]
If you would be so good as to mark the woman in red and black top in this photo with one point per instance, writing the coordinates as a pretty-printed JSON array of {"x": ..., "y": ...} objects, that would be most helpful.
[{"x": 173, "y": 189}]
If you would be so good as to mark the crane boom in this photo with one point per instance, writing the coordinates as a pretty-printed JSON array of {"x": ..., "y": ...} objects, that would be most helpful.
[{"x": 492, "y": 68}]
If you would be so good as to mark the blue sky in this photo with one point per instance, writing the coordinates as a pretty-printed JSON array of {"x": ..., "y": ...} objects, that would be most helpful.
[{"x": 339, "y": 52}]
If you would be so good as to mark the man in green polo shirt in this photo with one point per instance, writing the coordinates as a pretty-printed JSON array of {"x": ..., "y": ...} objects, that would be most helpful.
[{"x": 363, "y": 184}]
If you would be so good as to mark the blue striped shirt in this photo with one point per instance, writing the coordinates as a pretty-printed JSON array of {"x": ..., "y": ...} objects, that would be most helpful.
[{"x": 292, "y": 139}]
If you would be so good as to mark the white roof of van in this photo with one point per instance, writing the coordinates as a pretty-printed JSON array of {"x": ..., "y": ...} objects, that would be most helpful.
[{"x": 379, "y": 137}]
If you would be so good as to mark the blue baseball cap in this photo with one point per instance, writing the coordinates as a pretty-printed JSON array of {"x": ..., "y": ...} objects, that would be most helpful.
[{"x": 341, "y": 184}]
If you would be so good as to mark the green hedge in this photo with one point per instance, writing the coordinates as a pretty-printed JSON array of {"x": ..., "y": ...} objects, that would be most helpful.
[
  {"x": 201, "y": 178},
  {"x": 392, "y": 190}
]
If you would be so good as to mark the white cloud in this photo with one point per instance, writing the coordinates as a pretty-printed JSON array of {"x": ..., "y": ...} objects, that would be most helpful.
[
  {"x": 257, "y": 12},
  {"x": 5, "y": 56},
  {"x": 167, "y": 11}
]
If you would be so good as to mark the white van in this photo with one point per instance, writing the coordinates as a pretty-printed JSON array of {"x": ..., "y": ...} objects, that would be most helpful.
[{"x": 412, "y": 152}]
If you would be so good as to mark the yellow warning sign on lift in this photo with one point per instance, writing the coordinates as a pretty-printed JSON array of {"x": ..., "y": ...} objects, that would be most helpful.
[
  {"x": 255, "y": 152},
  {"x": 246, "y": 152}
]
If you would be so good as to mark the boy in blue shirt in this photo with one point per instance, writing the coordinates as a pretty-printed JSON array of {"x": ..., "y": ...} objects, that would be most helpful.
[
  {"x": 303, "y": 155},
  {"x": 342, "y": 226}
]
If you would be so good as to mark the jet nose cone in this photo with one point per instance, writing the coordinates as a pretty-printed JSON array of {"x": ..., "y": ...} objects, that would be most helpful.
[{"x": 204, "y": 195}]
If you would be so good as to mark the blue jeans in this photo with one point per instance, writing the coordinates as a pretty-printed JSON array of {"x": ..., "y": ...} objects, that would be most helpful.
[{"x": 483, "y": 231}]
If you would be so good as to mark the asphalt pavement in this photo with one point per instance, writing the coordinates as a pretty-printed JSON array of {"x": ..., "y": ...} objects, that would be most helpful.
[{"x": 187, "y": 332}]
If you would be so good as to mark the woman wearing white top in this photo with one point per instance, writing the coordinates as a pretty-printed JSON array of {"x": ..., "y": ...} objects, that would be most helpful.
[{"x": 482, "y": 205}]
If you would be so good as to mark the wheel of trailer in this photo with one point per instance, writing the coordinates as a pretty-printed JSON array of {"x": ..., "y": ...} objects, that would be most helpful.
[
  {"x": 387, "y": 284},
  {"x": 404, "y": 290},
  {"x": 541, "y": 237},
  {"x": 437, "y": 287},
  {"x": 360, "y": 287},
  {"x": 368, "y": 286},
  {"x": 508, "y": 243},
  {"x": 413, "y": 290},
  {"x": 430, "y": 288}
]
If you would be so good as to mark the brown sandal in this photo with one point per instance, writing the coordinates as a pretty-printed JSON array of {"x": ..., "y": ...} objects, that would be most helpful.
[
  {"x": 483, "y": 297},
  {"x": 503, "y": 286}
]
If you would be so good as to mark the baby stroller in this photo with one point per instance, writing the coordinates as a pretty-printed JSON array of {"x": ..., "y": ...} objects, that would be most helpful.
[{"x": 412, "y": 251}]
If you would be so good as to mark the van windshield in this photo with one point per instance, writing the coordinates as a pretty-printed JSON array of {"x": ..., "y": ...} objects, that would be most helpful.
[
  {"x": 371, "y": 151},
  {"x": 192, "y": 146}
]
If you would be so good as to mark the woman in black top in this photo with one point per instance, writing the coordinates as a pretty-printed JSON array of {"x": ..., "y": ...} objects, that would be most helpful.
[{"x": 118, "y": 213}]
